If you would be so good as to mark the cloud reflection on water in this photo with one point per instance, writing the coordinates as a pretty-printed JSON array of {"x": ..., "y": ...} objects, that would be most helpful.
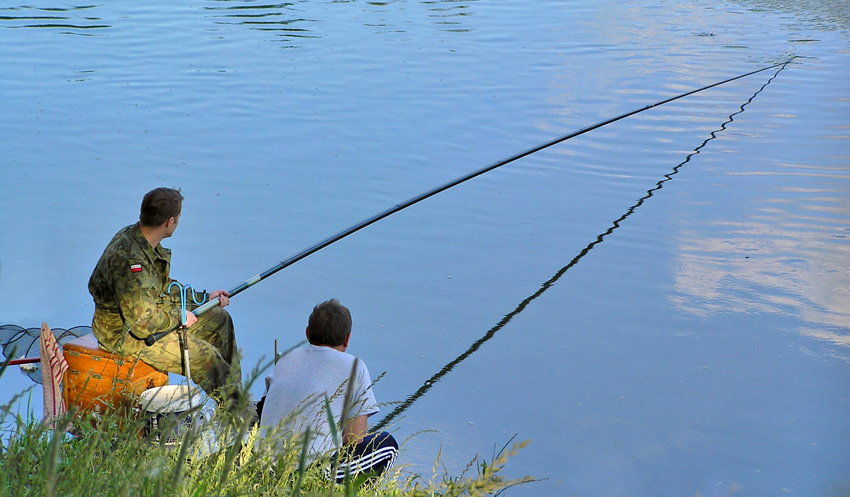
[{"x": 790, "y": 258}]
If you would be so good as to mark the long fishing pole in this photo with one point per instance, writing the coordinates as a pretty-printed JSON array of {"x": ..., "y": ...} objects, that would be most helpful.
[
  {"x": 153, "y": 338},
  {"x": 403, "y": 406}
]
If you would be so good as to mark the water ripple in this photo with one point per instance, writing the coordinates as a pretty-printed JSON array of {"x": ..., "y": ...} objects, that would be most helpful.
[{"x": 32, "y": 17}]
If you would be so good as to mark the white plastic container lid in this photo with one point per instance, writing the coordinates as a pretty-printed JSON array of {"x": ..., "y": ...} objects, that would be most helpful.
[{"x": 171, "y": 398}]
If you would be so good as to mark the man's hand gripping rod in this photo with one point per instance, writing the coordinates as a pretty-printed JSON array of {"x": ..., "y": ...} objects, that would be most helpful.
[{"x": 155, "y": 337}]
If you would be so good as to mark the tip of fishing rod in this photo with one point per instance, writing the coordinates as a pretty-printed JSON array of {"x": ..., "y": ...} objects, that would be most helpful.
[{"x": 784, "y": 63}]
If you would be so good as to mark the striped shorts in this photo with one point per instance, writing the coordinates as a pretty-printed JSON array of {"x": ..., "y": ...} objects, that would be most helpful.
[{"x": 372, "y": 456}]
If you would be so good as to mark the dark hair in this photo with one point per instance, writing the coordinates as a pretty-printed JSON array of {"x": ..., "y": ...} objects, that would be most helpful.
[
  {"x": 159, "y": 205},
  {"x": 329, "y": 324}
]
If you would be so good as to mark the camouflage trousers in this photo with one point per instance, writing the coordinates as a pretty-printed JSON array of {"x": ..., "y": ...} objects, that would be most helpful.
[{"x": 213, "y": 356}]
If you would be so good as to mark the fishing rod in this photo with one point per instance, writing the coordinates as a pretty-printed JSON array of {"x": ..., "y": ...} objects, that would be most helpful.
[
  {"x": 153, "y": 338},
  {"x": 403, "y": 406}
]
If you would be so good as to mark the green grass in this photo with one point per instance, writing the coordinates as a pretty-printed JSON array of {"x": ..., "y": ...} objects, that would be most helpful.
[{"x": 108, "y": 455}]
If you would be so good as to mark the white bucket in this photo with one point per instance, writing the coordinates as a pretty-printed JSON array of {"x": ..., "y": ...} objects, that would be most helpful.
[
  {"x": 171, "y": 399},
  {"x": 168, "y": 406}
]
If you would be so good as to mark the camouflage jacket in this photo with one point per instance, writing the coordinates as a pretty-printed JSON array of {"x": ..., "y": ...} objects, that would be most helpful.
[{"x": 130, "y": 290}]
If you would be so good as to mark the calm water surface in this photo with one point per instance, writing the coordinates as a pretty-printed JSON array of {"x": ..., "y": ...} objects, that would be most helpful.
[{"x": 661, "y": 306}]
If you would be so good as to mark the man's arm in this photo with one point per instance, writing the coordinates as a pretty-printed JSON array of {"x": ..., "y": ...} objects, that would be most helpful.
[{"x": 354, "y": 431}]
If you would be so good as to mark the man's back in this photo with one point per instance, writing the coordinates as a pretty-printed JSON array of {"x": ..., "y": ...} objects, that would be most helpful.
[
  {"x": 296, "y": 391},
  {"x": 127, "y": 285}
]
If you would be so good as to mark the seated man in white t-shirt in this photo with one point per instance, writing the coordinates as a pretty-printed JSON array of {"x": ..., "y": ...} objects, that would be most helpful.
[{"x": 304, "y": 377}]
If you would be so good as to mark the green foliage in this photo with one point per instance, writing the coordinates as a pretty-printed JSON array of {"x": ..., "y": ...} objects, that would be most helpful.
[{"x": 218, "y": 455}]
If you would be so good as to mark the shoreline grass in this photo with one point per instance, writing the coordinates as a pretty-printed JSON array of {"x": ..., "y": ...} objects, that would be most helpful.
[{"x": 216, "y": 454}]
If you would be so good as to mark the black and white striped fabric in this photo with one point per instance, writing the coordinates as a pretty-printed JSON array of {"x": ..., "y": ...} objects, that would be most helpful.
[{"x": 375, "y": 454}]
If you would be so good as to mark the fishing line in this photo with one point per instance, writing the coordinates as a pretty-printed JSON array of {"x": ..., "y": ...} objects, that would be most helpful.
[
  {"x": 403, "y": 406},
  {"x": 153, "y": 338}
]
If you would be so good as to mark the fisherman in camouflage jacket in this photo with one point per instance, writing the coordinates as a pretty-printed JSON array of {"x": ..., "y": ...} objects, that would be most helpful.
[{"x": 130, "y": 287}]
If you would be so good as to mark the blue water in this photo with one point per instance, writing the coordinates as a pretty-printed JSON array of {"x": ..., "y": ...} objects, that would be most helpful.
[{"x": 693, "y": 338}]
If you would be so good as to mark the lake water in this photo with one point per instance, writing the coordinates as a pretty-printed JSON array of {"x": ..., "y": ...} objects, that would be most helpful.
[{"x": 662, "y": 305}]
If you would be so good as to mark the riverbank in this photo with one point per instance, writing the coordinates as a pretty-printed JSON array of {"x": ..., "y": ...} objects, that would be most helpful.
[{"x": 115, "y": 455}]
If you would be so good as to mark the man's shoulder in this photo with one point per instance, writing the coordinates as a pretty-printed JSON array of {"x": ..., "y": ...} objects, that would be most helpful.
[
  {"x": 124, "y": 244},
  {"x": 317, "y": 358},
  {"x": 330, "y": 354}
]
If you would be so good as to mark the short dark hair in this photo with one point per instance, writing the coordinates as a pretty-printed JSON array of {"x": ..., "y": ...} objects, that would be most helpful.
[
  {"x": 329, "y": 324},
  {"x": 159, "y": 205}
]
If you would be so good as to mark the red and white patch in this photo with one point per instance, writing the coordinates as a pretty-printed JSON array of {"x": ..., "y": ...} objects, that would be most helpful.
[{"x": 135, "y": 268}]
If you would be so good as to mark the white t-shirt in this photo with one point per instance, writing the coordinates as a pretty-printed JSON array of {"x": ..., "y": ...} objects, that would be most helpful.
[{"x": 296, "y": 390}]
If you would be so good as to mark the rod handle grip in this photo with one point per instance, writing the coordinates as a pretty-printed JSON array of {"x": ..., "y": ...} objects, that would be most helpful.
[{"x": 155, "y": 337}]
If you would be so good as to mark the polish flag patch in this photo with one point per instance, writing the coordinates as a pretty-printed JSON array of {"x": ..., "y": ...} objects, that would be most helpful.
[{"x": 135, "y": 268}]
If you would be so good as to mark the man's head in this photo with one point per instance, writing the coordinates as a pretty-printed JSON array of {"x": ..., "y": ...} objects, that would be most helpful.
[
  {"x": 329, "y": 324},
  {"x": 159, "y": 206}
]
